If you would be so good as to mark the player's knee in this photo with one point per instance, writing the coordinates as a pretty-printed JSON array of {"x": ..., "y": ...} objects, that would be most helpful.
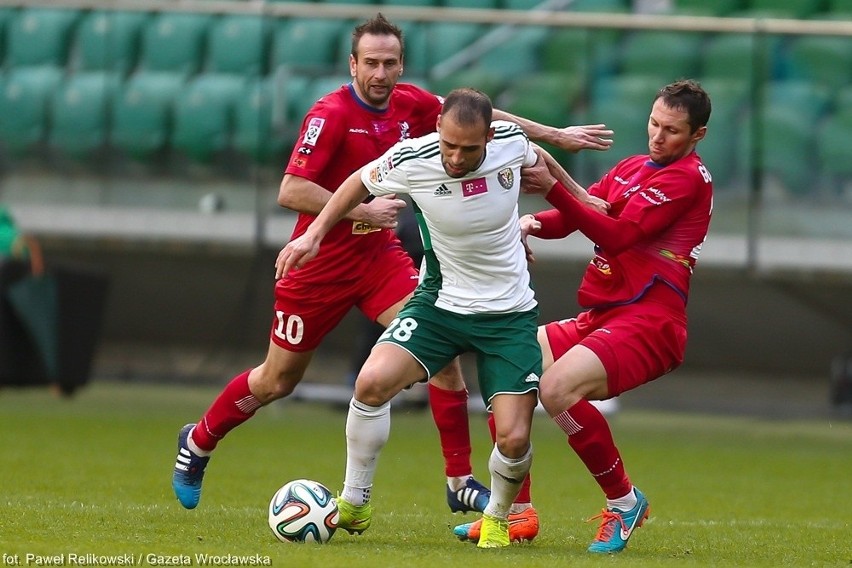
[{"x": 513, "y": 444}]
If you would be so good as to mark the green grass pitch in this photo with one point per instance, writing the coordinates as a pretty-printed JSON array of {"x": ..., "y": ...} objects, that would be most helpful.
[{"x": 87, "y": 481}]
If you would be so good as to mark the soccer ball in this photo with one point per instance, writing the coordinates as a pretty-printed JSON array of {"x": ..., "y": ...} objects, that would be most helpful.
[{"x": 303, "y": 511}]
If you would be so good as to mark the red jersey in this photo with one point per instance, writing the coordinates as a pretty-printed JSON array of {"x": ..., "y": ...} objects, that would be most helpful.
[
  {"x": 339, "y": 135},
  {"x": 671, "y": 205}
]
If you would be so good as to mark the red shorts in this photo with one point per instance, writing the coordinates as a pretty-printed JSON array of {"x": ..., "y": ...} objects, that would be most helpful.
[
  {"x": 306, "y": 313},
  {"x": 636, "y": 343}
]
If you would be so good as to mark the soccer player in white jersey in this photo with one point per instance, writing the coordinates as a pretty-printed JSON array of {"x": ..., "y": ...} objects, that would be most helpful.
[{"x": 474, "y": 295}]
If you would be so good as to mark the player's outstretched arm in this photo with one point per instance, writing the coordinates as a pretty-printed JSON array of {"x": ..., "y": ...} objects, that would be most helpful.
[
  {"x": 577, "y": 190},
  {"x": 301, "y": 250},
  {"x": 570, "y": 138}
]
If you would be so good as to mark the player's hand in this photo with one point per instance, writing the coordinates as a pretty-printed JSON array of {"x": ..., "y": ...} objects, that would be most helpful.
[
  {"x": 537, "y": 179},
  {"x": 596, "y": 203},
  {"x": 529, "y": 226},
  {"x": 296, "y": 254},
  {"x": 383, "y": 212},
  {"x": 585, "y": 137}
]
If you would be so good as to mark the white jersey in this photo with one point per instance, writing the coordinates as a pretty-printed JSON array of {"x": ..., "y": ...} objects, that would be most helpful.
[{"x": 474, "y": 259}]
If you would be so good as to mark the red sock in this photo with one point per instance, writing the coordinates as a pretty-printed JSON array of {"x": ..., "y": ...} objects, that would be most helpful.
[
  {"x": 524, "y": 494},
  {"x": 234, "y": 405},
  {"x": 449, "y": 410},
  {"x": 590, "y": 437}
]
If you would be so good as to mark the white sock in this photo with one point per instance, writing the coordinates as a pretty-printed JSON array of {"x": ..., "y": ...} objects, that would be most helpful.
[
  {"x": 507, "y": 475},
  {"x": 623, "y": 503},
  {"x": 519, "y": 508},
  {"x": 456, "y": 483},
  {"x": 194, "y": 448},
  {"x": 367, "y": 431}
]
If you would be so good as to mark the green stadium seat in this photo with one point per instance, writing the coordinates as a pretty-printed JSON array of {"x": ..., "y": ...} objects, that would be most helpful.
[
  {"x": 632, "y": 91},
  {"x": 6, "y": 16},
  {"x": 788, "y": 142},
  {"x": 547, "y": 98},
  {"x": 174, "y": 42},
  {"x": 424, "y": 3},
  {"x": 446, "y": 39},
  {"x": 666, "y": 56},
  {"x": 488, "y": 81},
  {"x": 840, "y": 6},
  {"x": 705, "y": 8},
  {"x": 79, "y": 114},
  {"x": 731, "y": 56},
  {"x": 587, "y": 53},
  {"x": 630, "y": 126},
  {"x": 108, "y": 40},
  {"x": 810, "y": 100},
  {"x": 203, "y": 116},
  {"x": 309, "y": 44},
  {"x": 238, "y": 44},
  {"x": 600, "y": 6},
  {"x": 833, "y": 138},
  {"x": 141, "y": 114},
  {"x": 516, "y": 55},
  {"x": 24, "y": 94},
  {"x": 312, "y": 91},
  {"x": 475, "y": 4},
  {"x": 821, "y": 59},
  {"x": 720, "y": 150},
  {"x": 417, "y": 57},
  {"x": 40, "y": 36},
  {"x": 260, "y": 122},
  {"x": 797, "y": 9}
]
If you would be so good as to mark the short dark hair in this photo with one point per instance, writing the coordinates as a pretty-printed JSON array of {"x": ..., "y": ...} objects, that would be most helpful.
[
  {"x": 688, "y": 95},
  {"x": 468, "y": 106},
  {"x": 377, "y": 26}
]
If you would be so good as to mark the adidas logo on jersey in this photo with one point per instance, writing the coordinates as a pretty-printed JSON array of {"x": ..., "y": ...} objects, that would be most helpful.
[{"x": 443, "y": 190}]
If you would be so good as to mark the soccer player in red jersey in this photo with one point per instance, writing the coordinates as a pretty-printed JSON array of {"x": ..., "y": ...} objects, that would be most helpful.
[
  {"x": 358, "y": 265},
  {"x": 634, "y": 290}
]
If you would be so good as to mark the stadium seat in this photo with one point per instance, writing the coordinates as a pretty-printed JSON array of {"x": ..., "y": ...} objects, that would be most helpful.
[
  {"x": 822, "y": 59},
  {"x": 259, "y": 122},
  {"x": 840, "y": 6},
  {"x": 79, "y": 114},
  {"x": 108, "y": 40},
  {"x": 583, "y": 52},
  {"x": 632, "y": 91},
  {"x": 417, "y": 56},
  {"x": 481, "y": 4},
  {"x": 203, "y": 117},
  {"x": 446, "y": 39},
  {"x": 600, "y": 5},
  {"x": 547, "y": 98},
  {"x": 731, "y": 56},
  {"x": 720, "y": 149},
  {"x": 174, "y": 42},
  {"x": 798, "y": 9},
  {"x": 787, "y": 147},
  {"x": 489, "y": 82},
  {"x": 40, "y": 36},
  {"x": 312, "y": 91},
  {"x": 666, "y": 56},
  {"x": 238, "y": 44},
  {"x": 516, "y": 55},
  {"x": 630, "y": 126},
  {"x": 309, "y": 44},
  {"x": 141, "y": 115},
  {"x": 833, "y": 138},
  {"x": 705, "y": 8},
  {"x": 24, "y": 94},
  {"x": 809, "y": 100}
]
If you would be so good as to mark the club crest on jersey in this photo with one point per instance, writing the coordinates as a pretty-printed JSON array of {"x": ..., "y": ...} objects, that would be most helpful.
[
  {"x": 313, "y": 130},
  {"x": 404, "y": 130},
  {"x": 473, "y": 187},
  {"x": 506, "y": 177}
]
